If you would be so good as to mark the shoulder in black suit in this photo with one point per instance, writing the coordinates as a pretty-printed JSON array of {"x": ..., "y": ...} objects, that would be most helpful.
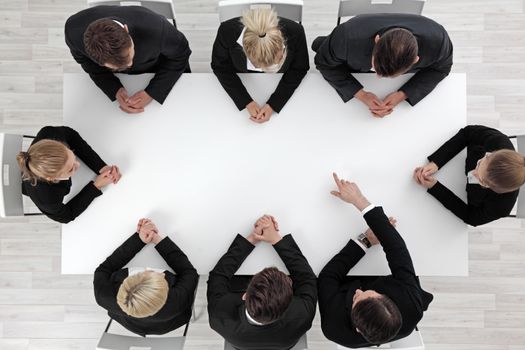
[
  {"x": 483, "y": 205},
  {"x": 228, "y": 59},
  {"x": 49, "y": 196},
  {"x": 159, "y": 48},
  {"x": 177, "y": 310},
  {"x": 336, "y": 289},
  {"x": 226, "y": 309},
  {"x": 349, "y": 47}
]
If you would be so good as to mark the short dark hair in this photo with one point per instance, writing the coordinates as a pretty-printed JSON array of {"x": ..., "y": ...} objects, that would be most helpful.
[
  {"x": 395, "y": 52},
  {"x": 105, "y": 41},
  {"x": 268, "y": 295},
  {"x": 377, "y": 319}
]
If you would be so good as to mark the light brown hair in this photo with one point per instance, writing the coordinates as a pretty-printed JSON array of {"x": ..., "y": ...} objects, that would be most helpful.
[
  {"x": 107, "y": 42},
  {"x": 44, "y": 159},
  {"x": 143, "y": 294},
  {"x": 268, "y": 295},
  {"x": 505, "y": 171},
  {"x": 263, "y": 41}
]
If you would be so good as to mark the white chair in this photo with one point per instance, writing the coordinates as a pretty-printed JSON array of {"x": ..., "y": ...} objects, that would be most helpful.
[
  {"x": 349, "y": 8},
  {"x": 519, "y": 143},
  {"x": 162, "y": 7},
  {"x": 11, "y": 202},
  {"x": 290, "y": 9},
  {"x": 413, "y": 342},
  {"x": 302, "y": 344}
]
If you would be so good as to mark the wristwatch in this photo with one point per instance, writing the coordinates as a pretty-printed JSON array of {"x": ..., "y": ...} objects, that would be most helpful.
[{"x": 363, "y": 239}]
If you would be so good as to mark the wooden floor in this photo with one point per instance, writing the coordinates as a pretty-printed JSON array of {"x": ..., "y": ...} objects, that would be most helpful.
[{"x": 41, "y": 309}]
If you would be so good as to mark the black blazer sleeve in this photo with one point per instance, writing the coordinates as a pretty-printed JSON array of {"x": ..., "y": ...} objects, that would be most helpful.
[
  {"x": 334, "y": 273},
  {"x": 488, "y": 211},
  {"x": 186, "y": 275},
  {"x": 175, "y": 53},
  {"x": 425, "y": 80},
  {"x": 396, "y": 251},
  {"x": 294, "y": 74},
  {"x": 223, "y": 68},
  {"x": 220, "y": 276},
  {"x": 101, "y": 76},
  {"x": 302, "y": 275},
  {"x": 116, "y": 261},
  {"x": 331, "y": 61},
  {"x": 471, "y": 134}
]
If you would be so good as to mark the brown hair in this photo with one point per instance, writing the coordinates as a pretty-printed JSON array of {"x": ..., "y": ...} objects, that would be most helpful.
[
  {"x": 505, "y": 171},
  {"x": 107, "y": 42},
  {"x": 268, "y": 295},
  {"x": 44, "y": 159},
  {"x": 395, "y": 52},
  {"x": 143, "y": 294},
  {"x": 263, "y": 40},
  {"x": 377, "y": 319}
]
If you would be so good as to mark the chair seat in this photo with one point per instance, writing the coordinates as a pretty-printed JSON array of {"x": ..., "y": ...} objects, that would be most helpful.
[{"x": 110, "y": 341}]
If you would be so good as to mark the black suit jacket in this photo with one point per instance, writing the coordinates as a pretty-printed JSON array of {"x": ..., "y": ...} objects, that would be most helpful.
[
  {"x": 159, "y": 48},
  {"x": 177, "y": 310},
  {"x": 48, "y": 196},
  {"x": 483, "y": 205},
  {"x": 228, "y": 59},
  {"x": 227, "y": 311},
  {"x": 336, "y": 289},
  {"x": 349, "y": 47}
]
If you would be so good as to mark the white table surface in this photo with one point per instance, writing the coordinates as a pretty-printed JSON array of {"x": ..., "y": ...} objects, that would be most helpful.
[{"x": 204, "y": 172}]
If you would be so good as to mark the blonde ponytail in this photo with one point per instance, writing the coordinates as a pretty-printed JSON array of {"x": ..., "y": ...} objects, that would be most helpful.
[
  {"x": 505, "y": 171},
  {"x": 143, "y": 294},
  {"x": 43, "y": 160},
  {"x": 263, "y": 41}
]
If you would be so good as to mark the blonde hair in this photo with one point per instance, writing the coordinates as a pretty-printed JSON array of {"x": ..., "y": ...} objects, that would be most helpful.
[
  {"x": 44, "y": 159},
  {"x": 143, "y": 294},
  {"x": 505, "y": 171},
  {"x": 263, "y": 40}
]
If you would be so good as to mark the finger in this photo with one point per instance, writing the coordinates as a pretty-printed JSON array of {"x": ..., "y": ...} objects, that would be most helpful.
[
  {"x": 335, "y": 193},
  {"x": 337, "y": 181}
]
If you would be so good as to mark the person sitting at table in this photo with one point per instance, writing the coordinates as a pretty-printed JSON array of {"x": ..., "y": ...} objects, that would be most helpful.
[
  {"x": 147, "y": 301},
  {"x": 49, "y": 164},
  {"x": 260, "y": 42},
  {"x": 128, "y": 39},
  {"x": 495, "y": 172},
  {"x": 359, "y": 311},
  {"x": 275, "y": 310},
  {"x": 390, "y": 45}
]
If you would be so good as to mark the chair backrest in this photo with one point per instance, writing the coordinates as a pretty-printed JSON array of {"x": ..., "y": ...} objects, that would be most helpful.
[
  {"x": 11, "y": 203},
  {"x": 302, "y": 344},
  {"x": 162, "y": 7},
  {"x": 520, "y": 207},
  {"x": 290, "y": 9},
  {"x": 110, "y": 341},
  {"x": 349, "y": 8},
  {"x": 413, "y": 342}
]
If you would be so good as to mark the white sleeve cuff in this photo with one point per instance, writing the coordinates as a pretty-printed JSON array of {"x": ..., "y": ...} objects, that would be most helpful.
[
  {"x": 367, "y": 209},
  {"x": 359, "y": 244}
]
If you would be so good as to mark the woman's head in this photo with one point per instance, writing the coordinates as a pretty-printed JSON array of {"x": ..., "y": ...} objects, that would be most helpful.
[
  {"x": 502, "y": 171},
  {"x": 47, "y": 160},
  {"x": 263, "y": 41},
  {"x": 143, "y": 294}
]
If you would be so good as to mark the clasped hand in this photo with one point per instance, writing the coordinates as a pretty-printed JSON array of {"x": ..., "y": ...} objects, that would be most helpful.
[
  {"x": 380, "y": 108},
  {"x": 265, "y": 229},
  {"x": 258, "y": 114},
  {"x": 133, "y": 104},
  {"x": 148, "y": 231}
]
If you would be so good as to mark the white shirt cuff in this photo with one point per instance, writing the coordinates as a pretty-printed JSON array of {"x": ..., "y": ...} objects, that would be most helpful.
[
  {"x": 367, "y": 209},
  {"x": 359, "y": 244}
]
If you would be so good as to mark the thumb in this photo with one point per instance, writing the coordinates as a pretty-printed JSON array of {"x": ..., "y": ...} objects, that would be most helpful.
[{"x": 335, "y": 193}]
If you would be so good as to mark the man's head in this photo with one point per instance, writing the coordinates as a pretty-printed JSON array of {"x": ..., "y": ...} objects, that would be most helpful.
[
  {"x": 143, "y": 294},
  {"x": 268, "y": 295},
  {"x": 394, "y": 53},
  {"x": 375, "y": 316},
  {"x": 109, "y": 44}
]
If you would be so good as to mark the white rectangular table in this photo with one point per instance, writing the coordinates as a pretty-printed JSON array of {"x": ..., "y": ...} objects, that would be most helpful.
[{"x": 204, "y": 172}]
